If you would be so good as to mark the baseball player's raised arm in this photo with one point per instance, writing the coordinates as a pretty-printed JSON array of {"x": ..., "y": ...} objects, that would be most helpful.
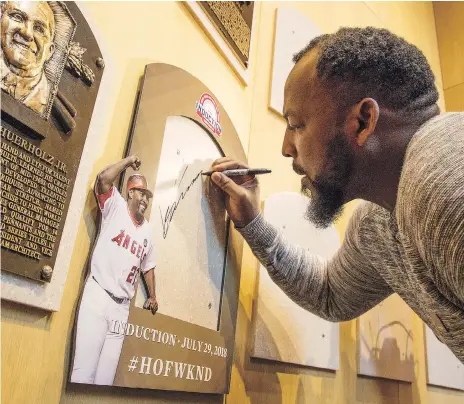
[
  {"x": 339, "y": 289},
  {"x": 107, "y": 176}
]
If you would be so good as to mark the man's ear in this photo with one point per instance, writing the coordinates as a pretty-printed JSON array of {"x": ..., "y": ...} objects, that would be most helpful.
[
  {"x": 129, "y": 194},
  {"x": 366, "y": 112},
  {"x": 51, "y": 51}
]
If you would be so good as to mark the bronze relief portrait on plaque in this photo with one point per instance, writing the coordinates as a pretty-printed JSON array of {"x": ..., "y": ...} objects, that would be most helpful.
[
  {"x": 50, "y": 73},
  {"x": 34, "y": 40}
]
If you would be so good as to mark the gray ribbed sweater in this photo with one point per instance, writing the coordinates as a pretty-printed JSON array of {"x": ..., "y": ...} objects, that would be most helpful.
[{"x": 417, "y": 252}]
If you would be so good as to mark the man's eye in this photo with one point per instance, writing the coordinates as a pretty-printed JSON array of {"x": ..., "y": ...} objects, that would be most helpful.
[
  {"x": 17, "y": 17},
  {"x": 39, "y": 28},
  {"x": 294, "y": 127}
]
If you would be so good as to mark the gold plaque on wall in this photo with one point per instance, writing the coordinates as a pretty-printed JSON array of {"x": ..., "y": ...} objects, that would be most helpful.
[
  {"x": 234, "y": 19},
  {"x": 50, "y": 76}
]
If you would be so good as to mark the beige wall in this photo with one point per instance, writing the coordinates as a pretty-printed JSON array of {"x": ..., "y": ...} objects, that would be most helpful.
[
  {"x": 35, "y": 344},
  {"x": 449, "y": 19}
]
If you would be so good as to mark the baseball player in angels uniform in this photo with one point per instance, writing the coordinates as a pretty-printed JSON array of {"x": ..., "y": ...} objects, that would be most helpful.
[{"x": 124, "y": 246}]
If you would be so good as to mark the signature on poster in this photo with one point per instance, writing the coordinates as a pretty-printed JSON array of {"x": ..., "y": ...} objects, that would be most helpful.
[{"x": 166, "y": 219}]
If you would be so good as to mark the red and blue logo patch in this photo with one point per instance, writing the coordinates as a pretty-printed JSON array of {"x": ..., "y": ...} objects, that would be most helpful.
[{"x": 208, "y": 111}]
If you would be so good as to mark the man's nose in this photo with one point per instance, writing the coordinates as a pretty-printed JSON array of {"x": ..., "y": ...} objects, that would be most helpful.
[
  {"x": 288, "y": 146},
  {"x": 27, "y": 30}
]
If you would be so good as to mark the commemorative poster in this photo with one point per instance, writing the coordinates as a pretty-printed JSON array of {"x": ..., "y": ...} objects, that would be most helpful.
[
  {"x": 159, "y": 305},
  {"x": 51, "y": 68}
]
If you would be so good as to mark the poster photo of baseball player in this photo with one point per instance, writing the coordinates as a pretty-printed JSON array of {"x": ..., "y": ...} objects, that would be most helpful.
[{"x": 123, "y": 249}]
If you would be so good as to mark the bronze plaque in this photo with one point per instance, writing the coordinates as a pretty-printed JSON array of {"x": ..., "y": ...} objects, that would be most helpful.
[
  {"x": 194, "y": 254},
  {"x": 234, "y": 19},
  {"x": 51, "y": 67}
]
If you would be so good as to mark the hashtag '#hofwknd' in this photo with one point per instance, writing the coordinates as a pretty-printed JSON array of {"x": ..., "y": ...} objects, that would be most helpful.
[{"x": 133, "y": 363}]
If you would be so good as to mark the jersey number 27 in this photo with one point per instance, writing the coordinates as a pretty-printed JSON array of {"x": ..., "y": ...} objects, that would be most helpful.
[{"x": 132, "y": 277}]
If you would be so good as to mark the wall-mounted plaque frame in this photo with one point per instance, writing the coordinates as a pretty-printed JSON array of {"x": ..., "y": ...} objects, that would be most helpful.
[
  {"x": 188, "y": 344},
  {"x": 443, "y": 368},
  {"x": 293, "y": 31},
  {"x": 229, "y": 24},
  {"x": 44, "y": 122},
  {"x": 282, "y": 330}
]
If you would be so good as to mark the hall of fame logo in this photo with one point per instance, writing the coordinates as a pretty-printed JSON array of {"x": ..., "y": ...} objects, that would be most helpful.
[{"x": 208, "y": 111}]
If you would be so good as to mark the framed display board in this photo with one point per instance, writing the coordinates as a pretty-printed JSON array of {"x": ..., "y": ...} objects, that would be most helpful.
[
  {"x": 229, "y": 25},
  {"x": 179, "y": 130},
  {"x": 284, "y": 331},
  {"x": 293, "y": 31}
]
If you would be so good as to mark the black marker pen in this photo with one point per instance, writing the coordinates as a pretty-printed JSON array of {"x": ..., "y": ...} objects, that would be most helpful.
[{"x": 240, "y": 171}]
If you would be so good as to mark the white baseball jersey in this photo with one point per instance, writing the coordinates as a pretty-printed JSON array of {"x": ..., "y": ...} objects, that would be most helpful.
[{"x": 123, "y": 246}]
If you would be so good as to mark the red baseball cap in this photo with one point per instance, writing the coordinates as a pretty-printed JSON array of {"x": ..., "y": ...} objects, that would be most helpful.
[{"x": 138, "y": 181}]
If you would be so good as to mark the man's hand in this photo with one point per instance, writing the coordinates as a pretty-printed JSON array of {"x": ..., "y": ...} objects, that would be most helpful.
[
  {"x": 135, "y": 162},
  {"x": 242, "y": 193},
  {"x": 151, "y": 304}
]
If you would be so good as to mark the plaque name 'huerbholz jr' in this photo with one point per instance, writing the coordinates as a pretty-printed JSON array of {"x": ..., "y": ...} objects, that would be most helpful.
[{"x": 51, "y": 68}]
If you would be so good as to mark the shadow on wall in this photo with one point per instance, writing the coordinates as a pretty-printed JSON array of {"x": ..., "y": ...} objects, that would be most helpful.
[
  {"x": 386, "y": 358},
  {"x": 285, "y": 350},
  {"x": 270, "y": 348},
  {"x": 392, "y": 368},
  {"x": 28, "y": 317}
]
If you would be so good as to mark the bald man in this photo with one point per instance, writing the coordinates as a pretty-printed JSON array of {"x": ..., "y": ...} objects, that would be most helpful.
[{"x": 27, "y": 34}]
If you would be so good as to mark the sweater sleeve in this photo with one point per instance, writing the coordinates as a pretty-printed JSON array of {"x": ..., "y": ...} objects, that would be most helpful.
[
  {"x": 338, "y": 289},
  {"x": 443, "y": 241},
  {"x": 433, "y": 206}
]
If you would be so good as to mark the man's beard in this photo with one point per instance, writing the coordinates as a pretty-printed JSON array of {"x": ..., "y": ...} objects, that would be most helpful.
[{"x": 327, "y": 200}]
